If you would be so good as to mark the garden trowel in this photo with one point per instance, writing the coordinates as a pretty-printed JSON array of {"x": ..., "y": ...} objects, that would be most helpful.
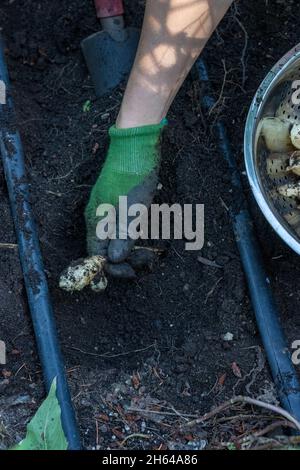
[{"x": 110, "y": 53}]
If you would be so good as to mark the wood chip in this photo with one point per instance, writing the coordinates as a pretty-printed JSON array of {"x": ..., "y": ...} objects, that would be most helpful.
[
  {"x": 236, "y": 370},
  {"x": 135, "y": 381}
]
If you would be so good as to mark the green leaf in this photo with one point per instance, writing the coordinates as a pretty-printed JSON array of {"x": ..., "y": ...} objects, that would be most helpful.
[
  {"x": 45, "y": 432},
  {"x": 87, "y": 106},
  {"x": 231, "y": 446}
]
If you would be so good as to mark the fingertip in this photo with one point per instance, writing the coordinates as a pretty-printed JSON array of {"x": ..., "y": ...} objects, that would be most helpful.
[
  {"x": 121, "y": 271},
  {"x": 119, "y": 250}
]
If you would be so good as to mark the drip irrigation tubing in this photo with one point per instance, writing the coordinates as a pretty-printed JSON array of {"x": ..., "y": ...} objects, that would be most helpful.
[
  {"x": 31, "y": 259},
  {"x": 259, "y": 286}
]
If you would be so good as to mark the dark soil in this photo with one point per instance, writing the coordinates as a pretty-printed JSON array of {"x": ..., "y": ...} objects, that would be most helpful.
[{"x": 156, "y": 343}]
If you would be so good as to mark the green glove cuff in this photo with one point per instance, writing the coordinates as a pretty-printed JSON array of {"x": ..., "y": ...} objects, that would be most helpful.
[
  {"x": 133, "y": 154},
  {"x": 134, "y": 150}
]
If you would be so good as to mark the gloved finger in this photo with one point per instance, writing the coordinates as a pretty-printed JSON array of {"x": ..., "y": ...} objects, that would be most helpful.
[
  {"x": 95, "y": 246},
  {"x": 142, "y": 194},
  {"x": 121, "y": 270},
  {"x": 141, "y": 258},
  {"x": 119, "y": 250}
]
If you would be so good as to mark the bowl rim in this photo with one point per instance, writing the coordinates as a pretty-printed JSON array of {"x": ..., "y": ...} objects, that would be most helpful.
[{"x": 263, "y": 92}]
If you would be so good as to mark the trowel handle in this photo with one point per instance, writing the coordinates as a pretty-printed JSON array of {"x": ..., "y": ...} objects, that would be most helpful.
[
  {"x": 109, "y": 8},
  {"x": 110, "y": 13}
]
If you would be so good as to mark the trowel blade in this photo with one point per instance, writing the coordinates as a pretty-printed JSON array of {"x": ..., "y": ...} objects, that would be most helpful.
[{"x": 109, "y": 61}]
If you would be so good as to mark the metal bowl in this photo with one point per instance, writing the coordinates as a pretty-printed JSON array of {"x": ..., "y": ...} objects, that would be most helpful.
[{"x": 266, "y": 171}]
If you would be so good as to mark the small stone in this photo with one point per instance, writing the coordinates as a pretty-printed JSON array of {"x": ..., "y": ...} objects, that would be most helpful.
[
  {"x": 228, "y": 337},
  {"x": 198, "y": 445}
]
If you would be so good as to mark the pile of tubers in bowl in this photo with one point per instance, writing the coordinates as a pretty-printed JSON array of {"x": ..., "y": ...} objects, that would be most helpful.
[{"x": 283, "y": 136}]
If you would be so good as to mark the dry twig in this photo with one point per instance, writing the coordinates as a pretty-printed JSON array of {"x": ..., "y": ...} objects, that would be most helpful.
[{"x": 249, "y": 401}]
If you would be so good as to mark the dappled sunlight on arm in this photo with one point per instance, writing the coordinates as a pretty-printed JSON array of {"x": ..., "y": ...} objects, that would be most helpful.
[{"x": 173, "y": 35}]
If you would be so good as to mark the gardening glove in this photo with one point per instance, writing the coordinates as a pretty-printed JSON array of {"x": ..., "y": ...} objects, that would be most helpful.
[{"x": 131, "y": 169}]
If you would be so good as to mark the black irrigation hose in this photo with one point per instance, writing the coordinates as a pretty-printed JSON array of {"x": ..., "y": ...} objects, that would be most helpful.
[
  {"x": 31, "y": 260},
  {"x": 266, "y": 312}
]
